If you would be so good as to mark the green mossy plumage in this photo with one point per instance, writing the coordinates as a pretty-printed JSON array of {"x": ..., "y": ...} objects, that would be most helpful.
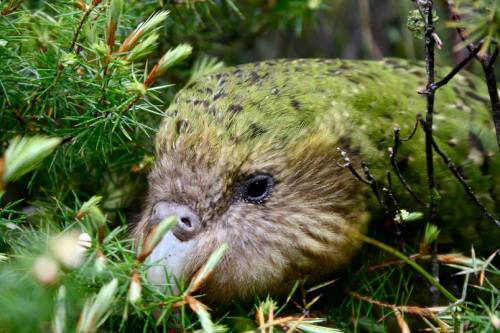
[{"x": 355, "y": 105}]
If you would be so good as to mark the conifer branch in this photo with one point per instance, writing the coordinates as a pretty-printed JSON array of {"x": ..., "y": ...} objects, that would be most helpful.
[{"x": 84, "y": 18}]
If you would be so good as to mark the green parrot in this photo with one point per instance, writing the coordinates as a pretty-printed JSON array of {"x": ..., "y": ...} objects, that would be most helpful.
[{"x": 254, "y": 156}]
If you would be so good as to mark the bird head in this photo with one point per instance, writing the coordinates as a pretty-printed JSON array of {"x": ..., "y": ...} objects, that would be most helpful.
[{"x": 247, "y": 170}]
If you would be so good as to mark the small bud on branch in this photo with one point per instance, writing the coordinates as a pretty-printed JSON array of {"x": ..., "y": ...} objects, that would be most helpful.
[
  {"x": 170, "y": 58},
  {"x": 114, "y": 14},
  {"x": 143, "y": 29}
]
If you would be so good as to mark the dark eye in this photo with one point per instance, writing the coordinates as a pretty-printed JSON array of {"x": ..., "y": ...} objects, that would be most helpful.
[{"x": 256, "y": 189}]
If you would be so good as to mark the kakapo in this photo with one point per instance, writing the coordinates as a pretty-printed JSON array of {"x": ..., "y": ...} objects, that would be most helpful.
[{"x": 248, "y": 156}]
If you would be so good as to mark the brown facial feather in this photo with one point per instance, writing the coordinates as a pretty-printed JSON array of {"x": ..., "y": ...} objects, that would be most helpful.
[{"x": 300, "y": 230}]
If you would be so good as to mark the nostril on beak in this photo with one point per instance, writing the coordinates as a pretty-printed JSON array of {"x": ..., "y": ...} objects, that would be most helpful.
[{"x": 186, "y": 221}]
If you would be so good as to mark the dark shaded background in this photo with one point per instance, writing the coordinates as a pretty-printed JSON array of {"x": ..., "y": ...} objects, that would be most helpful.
[{"x": 353, "y": 29}]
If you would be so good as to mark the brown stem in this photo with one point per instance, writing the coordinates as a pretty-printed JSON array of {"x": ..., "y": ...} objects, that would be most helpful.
[
  {"x": 415, "y": 310},
  {"x": 105, "y": 80},
  {"x": 80, "y": 25},
  {"x": 132, "y": 103},
  {"x": 11, "y": 7}
]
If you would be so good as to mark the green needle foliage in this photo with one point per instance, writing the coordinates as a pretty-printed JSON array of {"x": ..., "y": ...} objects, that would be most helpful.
[
  {"x": 24, "y": 155},
  {"x": 90, "y": 96},
  {"x": 481, "y": 21},
  {"x": 83, "y": 87}
]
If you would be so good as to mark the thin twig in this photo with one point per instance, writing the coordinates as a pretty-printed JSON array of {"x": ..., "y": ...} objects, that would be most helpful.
[
  {"x": 348, "y": 164},
  {"x": 10, "y": 8},
  {"x": 397, "y": 224},
  {"x": 451, "y": 258},
  {"x": 80, "y": 25},
  {"x": 392, "y": 154},
  {"x": 388, "y": 191},
  {"x": 132, "y": 103},
  {"x": 454, "y": 170},
  {"x": 414, "y": 310},
  {"x": 368, "y": 180},
  {"x": 457, "y": 68},
  {"x": 413, "y": 131},
  {"x": 374, "y": 186}
]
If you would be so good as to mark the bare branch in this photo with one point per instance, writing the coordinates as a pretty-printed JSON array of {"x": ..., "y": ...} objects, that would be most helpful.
[
  {"x": 413, "y": 131},
  {"x": 79, "y": 28},
  {"x": 348, "y": 164},
  {"x": 426, "y": 7},
  {"x": 388, "y": 191},
  {"x": 392, "y": 154},
  {"x": 414, "y": 310},
  {"x": 457, "y": 69},
  {"x": 368, "y": 179},
  {"x": 453, "y": 168}
]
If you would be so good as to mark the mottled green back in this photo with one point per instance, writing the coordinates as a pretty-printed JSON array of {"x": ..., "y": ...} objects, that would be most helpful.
[{"x": 355, "y": 105}]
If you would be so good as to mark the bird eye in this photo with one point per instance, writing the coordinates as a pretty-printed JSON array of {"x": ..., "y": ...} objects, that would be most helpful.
[{"x": 256, "y": 189}]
